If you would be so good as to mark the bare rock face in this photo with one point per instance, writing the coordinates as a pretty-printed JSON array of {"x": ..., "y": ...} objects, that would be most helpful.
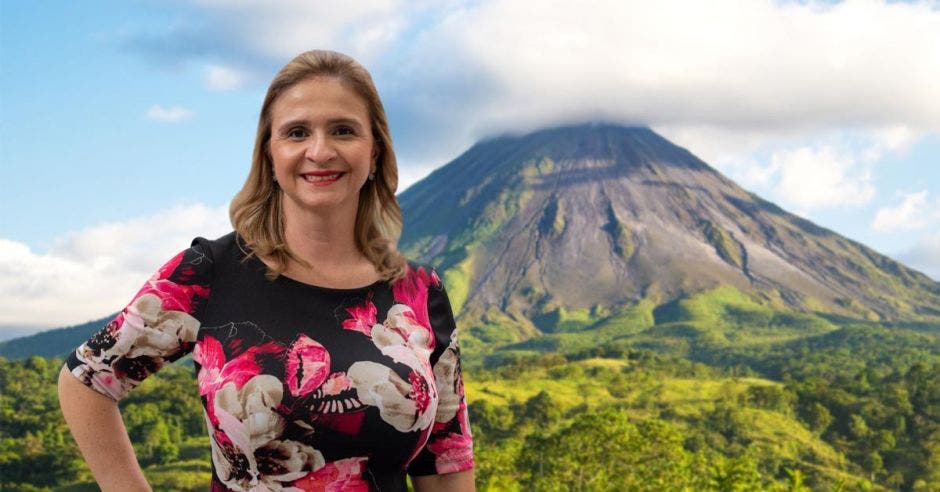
[{"x": 600, "y": 216}]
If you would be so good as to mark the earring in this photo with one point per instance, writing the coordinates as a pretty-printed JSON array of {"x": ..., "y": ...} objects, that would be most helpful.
[{"x": 372, "y": 176}]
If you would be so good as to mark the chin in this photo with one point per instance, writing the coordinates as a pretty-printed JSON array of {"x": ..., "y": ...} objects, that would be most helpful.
[{"x": 325, "y": 203}]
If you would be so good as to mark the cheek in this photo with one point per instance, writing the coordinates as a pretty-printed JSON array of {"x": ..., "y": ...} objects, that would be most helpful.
[{"x": 281, "y": 156}]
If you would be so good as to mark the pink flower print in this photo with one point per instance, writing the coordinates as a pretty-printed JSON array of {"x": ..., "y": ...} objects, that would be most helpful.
[
  {"x": 336, "y": 406},
  {"x": 134, "y": 345},
  {"x": 246, "y": 365},
  {"x": 104, "y": 381},
  {"x": 339, "y": 476},
  {"x": 209, "y": 355},
  {"x": 336, "y": 383},
  {"x": 149, "y": 329},
  {"x": 345, "y": 423},
  {"x": 247, "y": 450},
  {"x": 402, "y": 319},
  {"x": 381, "y": 387},
  {"x": 412, "y": 290},
  {"x": 404, "y": 340},
  {"x": 308, "y": 364},
  {"x": 175, "y": 297},
  {"x": 363, "y": 317},
  {"x": 214, "y": 372},
  {"x": 419, "y": 391},
  {"x": 448, "y": 382},
  {"x": 452, "y": 452},
  {"x": 116, "y": 323},
  {"x": 463, "y": 419},
  {"x": 170, "y": 266}
]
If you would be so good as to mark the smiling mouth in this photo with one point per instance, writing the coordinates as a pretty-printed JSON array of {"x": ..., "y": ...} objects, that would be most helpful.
[{"x": 322, "y": 178}]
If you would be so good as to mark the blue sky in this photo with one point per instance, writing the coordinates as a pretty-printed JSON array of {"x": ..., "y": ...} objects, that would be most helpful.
[{"x": 127, "y": 126}]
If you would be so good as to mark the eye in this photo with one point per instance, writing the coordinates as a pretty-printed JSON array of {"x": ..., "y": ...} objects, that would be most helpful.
[
  {"x": 344, "y": 131},
  {"x": 297, "y": 133}
]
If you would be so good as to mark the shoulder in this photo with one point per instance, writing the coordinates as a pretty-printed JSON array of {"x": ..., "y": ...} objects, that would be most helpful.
[
  {"x": 212, "y": 258},
  {"x": 422, "y": 274},
  {"x": 220, "y": 245},
  {"x": 229, "y": 249}
]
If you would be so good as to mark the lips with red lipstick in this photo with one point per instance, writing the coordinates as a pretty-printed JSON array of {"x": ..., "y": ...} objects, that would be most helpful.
[{"x": 322, "y": 178}]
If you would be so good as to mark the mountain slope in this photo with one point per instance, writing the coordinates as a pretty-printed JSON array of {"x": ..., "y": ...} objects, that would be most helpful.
[
  {"x": 595, "y": 217},
  {"x": 51, "y": 343}
]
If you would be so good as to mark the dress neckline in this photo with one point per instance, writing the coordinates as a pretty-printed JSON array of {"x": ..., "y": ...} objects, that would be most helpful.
[
  {"x": 291, "y": 281},
  {"x": 285, "y": 279}
]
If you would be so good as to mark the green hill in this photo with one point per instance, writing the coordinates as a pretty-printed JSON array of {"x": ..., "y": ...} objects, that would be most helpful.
[{"x": 51, "y": 343}]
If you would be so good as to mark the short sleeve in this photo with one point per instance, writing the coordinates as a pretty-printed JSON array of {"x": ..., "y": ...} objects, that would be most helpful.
[
  {"x": 158, "y": 326},
  {"x": 449, "y": 448}
]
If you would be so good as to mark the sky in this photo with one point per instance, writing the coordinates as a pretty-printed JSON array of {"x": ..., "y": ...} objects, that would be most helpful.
[{"x": 127, "y": 126}]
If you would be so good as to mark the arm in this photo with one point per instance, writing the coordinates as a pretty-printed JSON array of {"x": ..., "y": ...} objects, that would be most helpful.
[
  {"x": 446, "y": 462},
  {"x": 96, "y": 424},
  {"x": 457, "y": 482},
  {"x": 154, "y": 329}
]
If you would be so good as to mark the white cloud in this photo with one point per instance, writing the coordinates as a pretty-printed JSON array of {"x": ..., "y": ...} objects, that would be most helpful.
[
  {"x": 731, "y": 148},
  {"x": 95, "y": 271},
  {"x": 765, "y": 68},
  {"x": 280, "y": 29},
  {"x": 925, "y": 256},
  {"x": 818, "y": 177},
  {"x": 891, "y": 139},
  {"x": 833, "y": 168},
  {"x": 173, "y": 114},
  {"x": 910, "y": 214},
  {"x": 409, "y": 175},
  {"x": 757, "y": 64},
  {"x": 222, "y": 78}
]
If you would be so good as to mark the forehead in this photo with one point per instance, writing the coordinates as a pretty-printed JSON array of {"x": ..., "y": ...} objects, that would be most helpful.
[{"x": 319, "y": 97}]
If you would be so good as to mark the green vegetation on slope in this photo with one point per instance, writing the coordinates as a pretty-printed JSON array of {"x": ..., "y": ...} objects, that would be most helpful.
[
  {"x": 547, "y": 423},
  {"x": 726, "y": 247},
  {"x": 715, "y": 391},
  {"x": 847, "y": 382},
  {"x": 51, "y": 343},
  {"x": 620, "y": 241},
  {"x": 37, "y": 452}
]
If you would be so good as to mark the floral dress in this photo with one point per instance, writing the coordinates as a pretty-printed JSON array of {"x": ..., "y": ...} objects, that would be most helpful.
[{"x": 304, "y": 387}]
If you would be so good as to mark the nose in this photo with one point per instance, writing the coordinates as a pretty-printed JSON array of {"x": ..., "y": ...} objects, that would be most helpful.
[{"x": 319, "y": 148}]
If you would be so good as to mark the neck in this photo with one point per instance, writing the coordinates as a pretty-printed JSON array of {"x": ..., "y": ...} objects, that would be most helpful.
[{"x": 321, "y": 239}]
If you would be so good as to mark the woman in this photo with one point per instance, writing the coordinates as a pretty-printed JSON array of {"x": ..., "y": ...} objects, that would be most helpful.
[{"x": 323, "y": 358}]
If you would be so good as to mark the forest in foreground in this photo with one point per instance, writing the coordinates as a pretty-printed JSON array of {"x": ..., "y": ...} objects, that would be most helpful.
[{"x": 853, "y": 409}]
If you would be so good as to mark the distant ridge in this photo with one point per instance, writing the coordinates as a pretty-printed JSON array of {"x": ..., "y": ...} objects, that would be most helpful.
[
  {"x": 51, "y": 343},
  {"x": 10, "y": 332}
]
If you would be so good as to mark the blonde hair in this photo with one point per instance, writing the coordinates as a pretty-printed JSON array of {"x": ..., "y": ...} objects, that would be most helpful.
[{"x": 256, "y": 210}]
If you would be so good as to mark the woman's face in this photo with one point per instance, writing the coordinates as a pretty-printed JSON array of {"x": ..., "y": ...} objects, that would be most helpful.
[{"x": 321, "y": 146}]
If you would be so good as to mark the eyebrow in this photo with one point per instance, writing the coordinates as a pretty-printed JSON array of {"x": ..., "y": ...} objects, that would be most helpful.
[{"x": 332, "y": 121}]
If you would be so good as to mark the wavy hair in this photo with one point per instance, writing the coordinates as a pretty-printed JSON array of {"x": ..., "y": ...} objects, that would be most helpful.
[{"x": 256, "y": 211}]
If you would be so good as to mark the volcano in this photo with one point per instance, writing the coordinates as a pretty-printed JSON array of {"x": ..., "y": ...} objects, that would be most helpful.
[{"x": 599, "y": 216}]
